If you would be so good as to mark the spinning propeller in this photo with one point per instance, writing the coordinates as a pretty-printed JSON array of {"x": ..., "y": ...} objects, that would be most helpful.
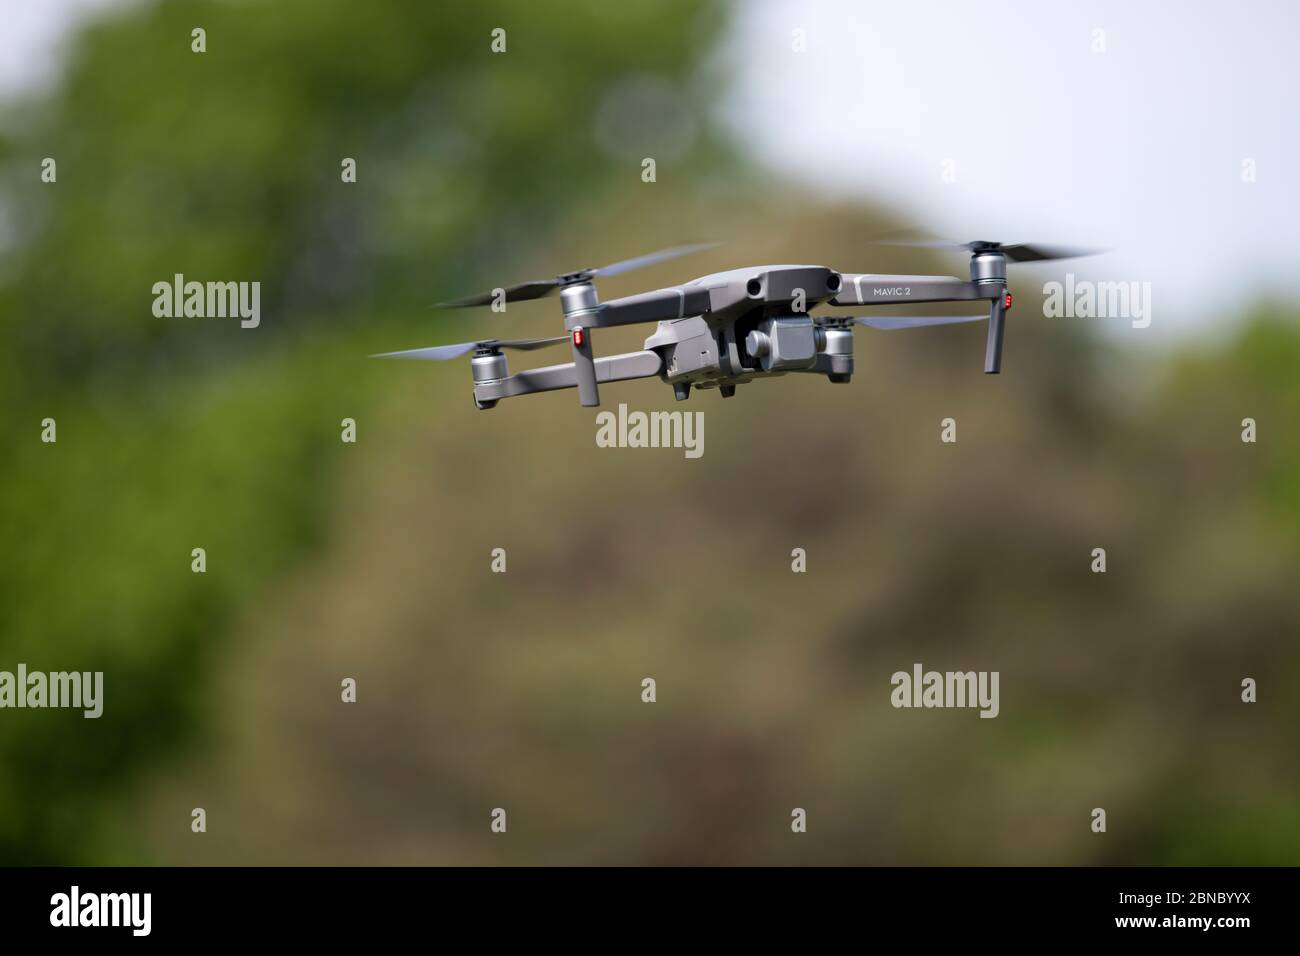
[
  {"x": 539, "y": 288},
  {"x": 1014, "y": 251},
  {"x": 442, "y": 353}
]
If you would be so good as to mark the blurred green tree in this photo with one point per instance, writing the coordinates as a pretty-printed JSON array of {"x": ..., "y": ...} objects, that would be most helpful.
[{"x": 226, "y": 165}]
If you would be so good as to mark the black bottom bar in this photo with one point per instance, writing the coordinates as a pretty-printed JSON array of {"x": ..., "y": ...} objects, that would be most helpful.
[{"x": 665, "y": 905}]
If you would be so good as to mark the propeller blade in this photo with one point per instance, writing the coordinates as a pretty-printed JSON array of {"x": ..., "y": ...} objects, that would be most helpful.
[
  {"x": 515, "y": 293},
  {"x": 627, "y": 265},
  {"x": 543, "y": 287},
  {"x": 924, "y": 243},
  {"x": 1040, "y": 252},
  {"x": 441, "y": 353},
  {"x": 916, "y": 321},
  {"x": 528, "y": 345},
  {"x": 1014, "y": 251}
]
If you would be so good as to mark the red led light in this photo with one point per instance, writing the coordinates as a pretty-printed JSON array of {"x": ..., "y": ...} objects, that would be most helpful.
[
  {"x": 1006, "y": 301},
  {"x": 577, "y": 336}
]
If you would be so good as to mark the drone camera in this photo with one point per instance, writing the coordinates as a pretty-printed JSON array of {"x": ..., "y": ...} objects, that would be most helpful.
[
  {"x": 754, "y": 287},
  {"x": 782, "y": 344}
]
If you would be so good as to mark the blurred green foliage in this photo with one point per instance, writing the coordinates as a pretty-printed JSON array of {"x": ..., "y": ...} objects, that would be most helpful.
[
  {"x": 175, "y": 434},
  {"x": 370, "y": 560}
]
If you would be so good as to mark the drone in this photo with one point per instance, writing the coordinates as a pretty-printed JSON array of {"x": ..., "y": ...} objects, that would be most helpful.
[{"x": 729, "y": 328}]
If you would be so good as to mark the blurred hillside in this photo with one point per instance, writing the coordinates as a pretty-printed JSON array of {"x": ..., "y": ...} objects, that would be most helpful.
[{"x": 522, "y": 690}]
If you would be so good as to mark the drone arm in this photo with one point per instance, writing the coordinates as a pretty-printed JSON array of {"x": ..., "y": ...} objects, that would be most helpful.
[
  {"x": 866, "y": 289},
  {"x": 611, "y": 368},
  {"x": 661, "y": 305},
  {"x": 869, "y": 289}
]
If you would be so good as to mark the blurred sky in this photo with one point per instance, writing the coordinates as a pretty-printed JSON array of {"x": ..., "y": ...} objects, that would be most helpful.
[
  {"x": 1138, "y": 148},
  {"x": 30, "y": 42}
]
